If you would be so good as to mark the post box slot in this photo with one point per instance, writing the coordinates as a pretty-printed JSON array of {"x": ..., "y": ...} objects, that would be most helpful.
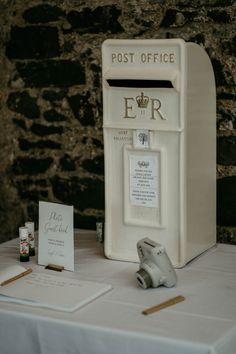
[{"x": 139, "y": 83}]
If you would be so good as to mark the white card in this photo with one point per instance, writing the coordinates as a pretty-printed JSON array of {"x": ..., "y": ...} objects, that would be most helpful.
[
  {"x": 56, "y": 235},
  {"x": 141, "y": 138},
  {"x": 144, "y": 180}
]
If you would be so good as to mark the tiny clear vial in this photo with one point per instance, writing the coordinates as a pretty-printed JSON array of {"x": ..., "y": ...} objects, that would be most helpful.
[
  {"x": 24, "y": 244},
  {"x": 30, "y": 227}
]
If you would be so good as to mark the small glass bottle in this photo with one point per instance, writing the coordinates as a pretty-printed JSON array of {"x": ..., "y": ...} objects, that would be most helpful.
[
  {"x": 30, "y": 227},
  {"x": 24, "y": 244}
]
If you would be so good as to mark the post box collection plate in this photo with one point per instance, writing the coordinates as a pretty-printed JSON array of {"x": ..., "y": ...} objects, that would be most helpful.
[{"x": 159, "y": 128}]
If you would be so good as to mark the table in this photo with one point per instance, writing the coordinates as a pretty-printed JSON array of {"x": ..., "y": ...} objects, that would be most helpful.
[{"x": 113, "y": 324}]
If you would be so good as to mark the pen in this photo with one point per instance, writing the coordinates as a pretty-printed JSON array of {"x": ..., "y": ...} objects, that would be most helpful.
[
  {"x": 28, "y": 271},
  {"x": 163, "y": 305}
]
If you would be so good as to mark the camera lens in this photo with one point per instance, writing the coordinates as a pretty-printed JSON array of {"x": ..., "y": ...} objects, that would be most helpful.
[{"x": 144, "y": 279}]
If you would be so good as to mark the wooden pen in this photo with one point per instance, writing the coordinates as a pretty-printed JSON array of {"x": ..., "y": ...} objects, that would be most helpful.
[
  {"x": 163, "y": 305},
  {"x": 28, "y": 271}
]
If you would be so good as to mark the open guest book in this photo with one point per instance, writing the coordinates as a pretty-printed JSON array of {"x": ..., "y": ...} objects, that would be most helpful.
[{"x": 49, "y": 291}]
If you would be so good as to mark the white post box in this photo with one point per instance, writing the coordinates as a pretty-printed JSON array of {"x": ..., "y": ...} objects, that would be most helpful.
[{"x": 160, "y": 147}]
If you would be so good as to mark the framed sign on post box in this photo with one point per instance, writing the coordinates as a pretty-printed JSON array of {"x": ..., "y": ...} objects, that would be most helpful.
[{"x": 159, "y": 125}]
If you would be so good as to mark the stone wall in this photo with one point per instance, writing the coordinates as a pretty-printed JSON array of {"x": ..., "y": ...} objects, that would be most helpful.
[{"x": 51, "y": 142}]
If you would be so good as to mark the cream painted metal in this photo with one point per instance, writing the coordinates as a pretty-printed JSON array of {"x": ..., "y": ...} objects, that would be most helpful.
[{"x": 160, "y": 147}]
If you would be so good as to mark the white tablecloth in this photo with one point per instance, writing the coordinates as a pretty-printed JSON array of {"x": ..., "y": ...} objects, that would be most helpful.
[{"x": 205, "y": 323}]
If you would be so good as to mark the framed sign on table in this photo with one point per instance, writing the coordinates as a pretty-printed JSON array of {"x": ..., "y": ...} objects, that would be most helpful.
[{"x": 56, "y": 235}]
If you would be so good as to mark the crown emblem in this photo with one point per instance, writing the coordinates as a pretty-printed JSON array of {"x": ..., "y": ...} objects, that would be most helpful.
[{"x": 142, "y": 101}]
